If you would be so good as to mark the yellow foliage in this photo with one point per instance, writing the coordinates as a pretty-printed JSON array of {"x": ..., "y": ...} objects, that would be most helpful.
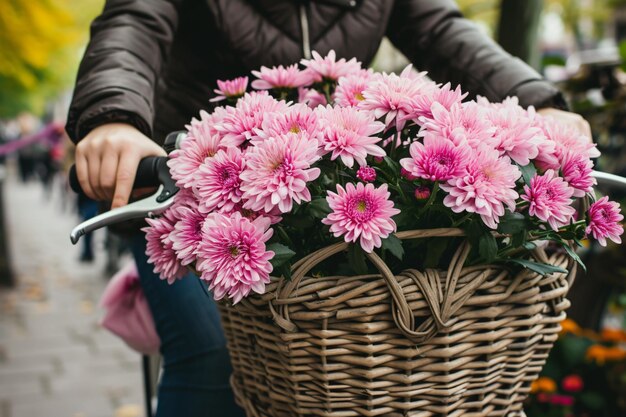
[{"x": 39, "y": 43}]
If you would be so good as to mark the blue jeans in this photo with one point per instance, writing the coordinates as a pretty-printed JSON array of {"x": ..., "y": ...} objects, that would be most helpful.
[{"x": 196, "y": 365}]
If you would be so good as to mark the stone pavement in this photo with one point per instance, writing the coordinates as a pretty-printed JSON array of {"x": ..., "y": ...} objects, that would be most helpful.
[{"x": 55, "y": 360}]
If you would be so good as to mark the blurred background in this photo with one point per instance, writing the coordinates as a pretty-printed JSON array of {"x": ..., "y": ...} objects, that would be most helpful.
[{"x": 55, "y": 359}]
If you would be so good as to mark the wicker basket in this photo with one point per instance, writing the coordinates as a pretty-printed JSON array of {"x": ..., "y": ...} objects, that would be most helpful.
[{"x": 462, "y": 342}]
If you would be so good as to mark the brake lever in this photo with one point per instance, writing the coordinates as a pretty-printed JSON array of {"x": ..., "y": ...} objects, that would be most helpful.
[{"x": 150, "y": 206}]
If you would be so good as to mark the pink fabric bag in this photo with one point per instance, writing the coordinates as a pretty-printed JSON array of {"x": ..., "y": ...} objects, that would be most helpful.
[{"x": 127, "y": 312}]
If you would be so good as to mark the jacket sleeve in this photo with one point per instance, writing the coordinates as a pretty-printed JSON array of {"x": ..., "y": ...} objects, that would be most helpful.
[
  {"x": 116, "y": 79},
  {"x": 436, "y": 37}
]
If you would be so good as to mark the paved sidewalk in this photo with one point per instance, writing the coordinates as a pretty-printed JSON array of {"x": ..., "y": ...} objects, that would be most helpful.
[{"x": 55, "y": 361}]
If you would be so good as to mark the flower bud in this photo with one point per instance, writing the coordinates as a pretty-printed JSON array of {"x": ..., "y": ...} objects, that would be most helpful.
[
  {"x": 422, "y": 192},
  {"x": 366, "y": 174},
  {"x": 407, "y": 175}
]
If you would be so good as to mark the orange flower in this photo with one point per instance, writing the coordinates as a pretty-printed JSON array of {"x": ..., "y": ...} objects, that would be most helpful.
[
  {"x": 601, "y": 354},
  {"x": 570, "y": 326},
  {"x": 543, "y": 384},
  {"x": 613, "y": 335}
]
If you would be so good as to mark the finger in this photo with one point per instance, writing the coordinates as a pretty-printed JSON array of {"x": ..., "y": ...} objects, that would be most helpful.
[
  {"x": 93, "y": 166},
  {"x": 108, "y": 173},
  {"x": 82, "y": 171},
  {"x": 126, "y": 171}
]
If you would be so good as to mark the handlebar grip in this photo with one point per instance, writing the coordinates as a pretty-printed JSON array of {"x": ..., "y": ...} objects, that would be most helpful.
[{"x": 147, "y": 174}]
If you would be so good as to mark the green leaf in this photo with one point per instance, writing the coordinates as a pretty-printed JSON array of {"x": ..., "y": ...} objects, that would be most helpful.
[
  {"x": 319, "y": 208},
  {"x": 393, "y": 245},
  {"x": 528, "y": 171},
  {"x": 356, "y": 259},
  {"x": 540, "y": 268},
  {"x": 393, "y": 166},
  {"x": 512, "y": 223},
  {"x": 282, "y": 254},
  {"x": 572, "y": 253},
  {"x": 487, "y": 247}
]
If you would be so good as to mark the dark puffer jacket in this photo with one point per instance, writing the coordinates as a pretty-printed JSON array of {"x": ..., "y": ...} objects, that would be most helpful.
[{"x": 154, "y": 63}]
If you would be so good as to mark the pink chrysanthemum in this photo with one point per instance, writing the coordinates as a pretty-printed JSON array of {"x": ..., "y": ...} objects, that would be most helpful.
[
  {"x": 604, "y": 221},
  {"x": 349, "y": 134},
  {"x": 280, "y": 77},
  {"x": 297, "y": 120},
  {"x": 461, "y": 123},
  {"x": 159, "y": 248},
  {"x": 328, "y": 68},
  {"x": 232, "y": 256},
  {"x": 202, "y": 141},
  {"x": 515, "y": 134},
  {"x": 438, "y": 159},
  {"x": 486, "y": 187},
  {"x": 311, "y": 97},
  {"x": 217, "y": 182},
  {"x": 577, "y": 170},
  {"x": 362, "y": 212},
  {"x": 275, "y": 216},
  {"x": 550, "y": 199},
  {"x": 277, "y": 171},
  {"x": 444, "y": 96},
  {"x": 187, "y": 231},
  {"x": 230, "y": 88},
  {"x": 567, "y": 138},
  {"x": 392, "y": 96},
  {"x": 349, "y": 91},
  {"x": 241, "y": 123}
]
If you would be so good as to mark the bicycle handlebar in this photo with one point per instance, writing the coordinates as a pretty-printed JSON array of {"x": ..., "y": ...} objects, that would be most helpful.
[{"x": 147, "y": 174}]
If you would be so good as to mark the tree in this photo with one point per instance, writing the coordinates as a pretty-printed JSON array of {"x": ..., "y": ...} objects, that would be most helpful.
[{"x": 39, "y": 50}]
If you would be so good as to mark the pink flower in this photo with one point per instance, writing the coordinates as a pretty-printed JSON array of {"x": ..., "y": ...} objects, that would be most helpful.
[
  {"x": 349, "y": 91},
  {"x": 550, "y": 199},
  {"x": 232, "y": 256},
  {"x": 275, "y": 216},
  {"x": 230, "y": 88},
  {"x": 277, "y": 171},
  {"x": 159, "y": 248},
  {"x": 486, "y": 187},
  {"x": 201, "y": 142},
  {"x": 577, "y": 171},
  {"x": 217, "y": 182},
  {"x": 567, "y": 138},
  {"x": 392, "y": 96},
  {"x": 466, "y": 122},
  {"x": 349, "y": 134},
  {"x": 604, "y": 221},
  {"x": 438, "y": 159},
  {"x": 515, "y": 134},
  {"x": 366, "y": 174},
  {"x": 240, "y": 124},
  {"x": 328, "y": 68},
  {"x": 297, "y": 120},
  {"x": 406, "y": 174},
  {"x": 444, "y": 96},
  {"x": 311, "y": 97},
  {"x": 280, "y": 77},
  {"x": 362, "y": 212},
  {"x": 187, "y": 231}
]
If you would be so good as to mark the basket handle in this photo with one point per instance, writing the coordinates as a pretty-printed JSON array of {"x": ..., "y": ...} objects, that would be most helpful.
[{"x": 443, "y": 302}]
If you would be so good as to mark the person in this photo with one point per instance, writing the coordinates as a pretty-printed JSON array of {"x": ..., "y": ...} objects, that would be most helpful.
[{"x": 151, "y": 66}]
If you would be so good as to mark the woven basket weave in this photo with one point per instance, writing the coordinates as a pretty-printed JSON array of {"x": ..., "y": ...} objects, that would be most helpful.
[{"x": 462, "y": 342}]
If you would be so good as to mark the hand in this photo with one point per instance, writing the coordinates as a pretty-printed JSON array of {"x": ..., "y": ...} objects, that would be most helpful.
[
  {"x": 107, "y": 160},
  {"x": 571, "y": 119}
]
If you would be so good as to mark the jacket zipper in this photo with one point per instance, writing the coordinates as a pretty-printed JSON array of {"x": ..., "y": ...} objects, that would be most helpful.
[{"x": 304, "y": 24}]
